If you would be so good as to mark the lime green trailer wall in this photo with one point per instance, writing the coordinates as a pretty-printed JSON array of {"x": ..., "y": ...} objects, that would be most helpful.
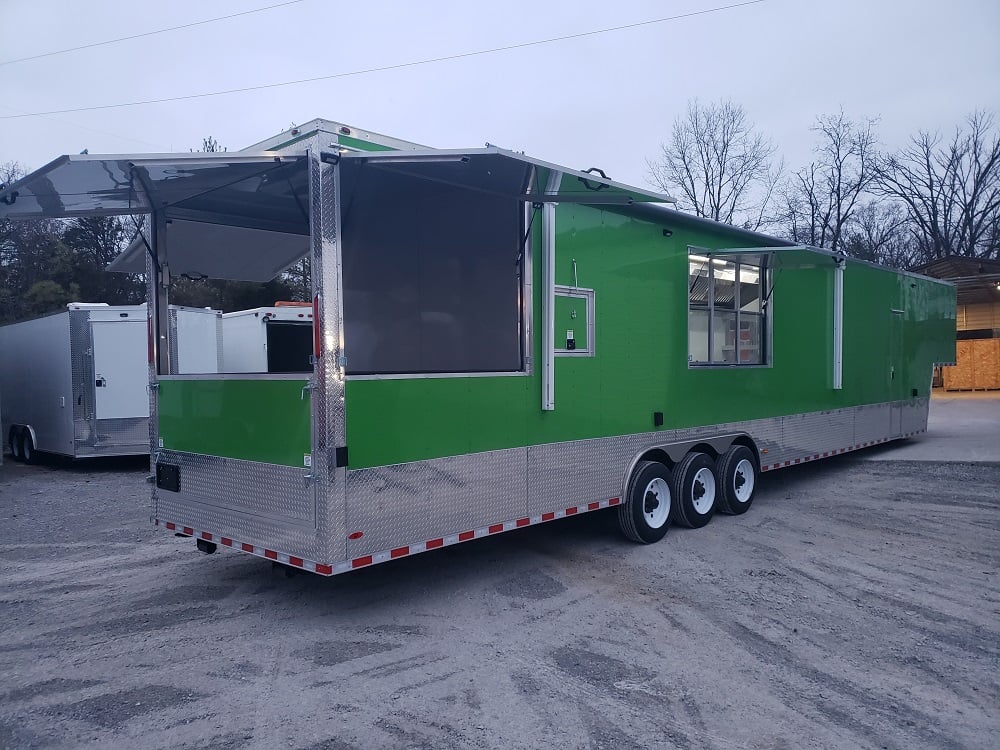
[{"x": 640, "y": 364}]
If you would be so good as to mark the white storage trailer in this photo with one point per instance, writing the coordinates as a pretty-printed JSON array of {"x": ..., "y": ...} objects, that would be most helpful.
[
  {"x": 76, "y": 382},
  {"x": 276, "y": 339}
]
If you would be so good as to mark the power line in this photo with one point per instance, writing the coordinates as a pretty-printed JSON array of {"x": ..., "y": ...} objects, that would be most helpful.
[
  {"x": 96, "y": 130},
  {"x": 149, "y": 33},
  {"x": 397, "y": 66}
]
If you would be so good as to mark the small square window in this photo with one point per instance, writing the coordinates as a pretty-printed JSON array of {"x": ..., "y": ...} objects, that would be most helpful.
[{"x": 574, "y": 322}]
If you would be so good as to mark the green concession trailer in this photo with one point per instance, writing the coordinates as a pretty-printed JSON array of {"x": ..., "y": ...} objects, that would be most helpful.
[{"x": 497, "y": 342}]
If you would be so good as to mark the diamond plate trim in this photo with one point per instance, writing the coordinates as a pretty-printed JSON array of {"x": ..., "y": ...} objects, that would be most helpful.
[
  {"x": 265, "y": 504},
  {"x": 428, "y": 501},
  {"x": 327, "y": 393},
  {"x": 424, "y": 499}
]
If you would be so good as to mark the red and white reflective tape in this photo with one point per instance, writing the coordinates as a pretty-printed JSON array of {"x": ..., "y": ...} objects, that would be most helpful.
[
  {"x": 270, "y": 554},
  {"x": 391, "y": 554},
  {"x": 834, "y": 452},
  {"x": 467, "y": 536}
]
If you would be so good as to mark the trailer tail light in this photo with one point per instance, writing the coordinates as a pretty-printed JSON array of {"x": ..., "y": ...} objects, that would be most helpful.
[{"x": 317, "y": 342}]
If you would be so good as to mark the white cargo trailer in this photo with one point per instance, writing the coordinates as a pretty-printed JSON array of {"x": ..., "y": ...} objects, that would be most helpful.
[
  {"x": 76, "y": 382},
  {"x": 268, "y": 339}
]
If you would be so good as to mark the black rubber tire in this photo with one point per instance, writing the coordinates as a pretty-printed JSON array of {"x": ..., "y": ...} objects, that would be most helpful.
[
  {"x": 15, "y": 443},
  {"x": 632, "y": 513},
  {"x": 731, "y": 479},
  {"x": 685, "y": 490},
  {"x": 28, "y": 451}
]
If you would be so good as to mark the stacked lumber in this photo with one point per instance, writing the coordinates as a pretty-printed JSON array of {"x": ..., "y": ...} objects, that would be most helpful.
[{"x": 977, "y": 366}]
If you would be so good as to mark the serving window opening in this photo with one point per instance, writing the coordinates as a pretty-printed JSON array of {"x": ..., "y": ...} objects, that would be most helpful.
[{"x": 432, "y": 276}]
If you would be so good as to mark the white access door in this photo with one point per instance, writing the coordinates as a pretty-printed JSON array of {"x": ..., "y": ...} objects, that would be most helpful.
[{"x": 121, "y": 371}]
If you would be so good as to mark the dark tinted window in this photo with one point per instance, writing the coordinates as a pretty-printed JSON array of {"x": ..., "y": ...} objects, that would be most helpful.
[{"x": 289, "y": 346}]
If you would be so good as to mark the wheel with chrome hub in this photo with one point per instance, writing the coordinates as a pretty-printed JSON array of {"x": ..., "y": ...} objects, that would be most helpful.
[
  {"x": 695, "y": 490},
  {"x": 645, "y": 515}
]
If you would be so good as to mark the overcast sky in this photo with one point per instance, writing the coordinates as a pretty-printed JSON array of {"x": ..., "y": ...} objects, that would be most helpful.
[{"x": 605, "y": 100}]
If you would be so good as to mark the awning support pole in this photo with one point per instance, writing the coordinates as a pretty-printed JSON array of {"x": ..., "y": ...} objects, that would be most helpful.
[
  {"x": 549, "y": 293},
  {"x": 838, "y": 324},
  {"x": 160, "y": 288}
]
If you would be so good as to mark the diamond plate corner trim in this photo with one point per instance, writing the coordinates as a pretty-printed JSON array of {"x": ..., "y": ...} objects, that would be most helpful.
[{"x": 327, "y": 393}]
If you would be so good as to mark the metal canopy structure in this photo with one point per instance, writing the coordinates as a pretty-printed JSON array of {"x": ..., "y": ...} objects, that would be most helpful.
[
  {"x": 780, "y": 256},
  {"x": 976, "y": 280},
  {"x": 265, "y": 191},
  {"x": 217, "y": 251},
  {"x": 243, "y": 216},
  {"x": 501, "y": 172}
]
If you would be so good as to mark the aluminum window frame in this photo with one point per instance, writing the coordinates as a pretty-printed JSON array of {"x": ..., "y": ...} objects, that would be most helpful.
[
  {"x": 766, "y": 302},
  {"x": 575, "y": 292}
]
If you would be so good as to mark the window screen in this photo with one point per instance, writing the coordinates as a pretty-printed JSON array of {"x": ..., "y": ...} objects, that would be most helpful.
[{"x": 431, "y": 277}]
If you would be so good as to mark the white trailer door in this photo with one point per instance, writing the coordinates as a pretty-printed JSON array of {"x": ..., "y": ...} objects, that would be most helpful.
[{"x": 120, "y": 369}]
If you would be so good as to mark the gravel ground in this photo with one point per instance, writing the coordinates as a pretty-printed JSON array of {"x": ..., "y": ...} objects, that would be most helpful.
[{"x": 855, "y": 606}]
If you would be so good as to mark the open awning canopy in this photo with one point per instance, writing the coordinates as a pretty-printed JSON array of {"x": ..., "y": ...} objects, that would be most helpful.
[
  {"x": 265, "y": 191},
  {"x": 501, "y": 172},
  {"x": 246, "y": 216},
  {"x": 778, "y": 256},
  {"x": 217, "y": 251}
]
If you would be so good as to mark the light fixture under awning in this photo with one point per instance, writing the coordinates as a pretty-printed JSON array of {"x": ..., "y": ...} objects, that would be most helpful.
[
  {"x": 219, "y": 251},
  {"x": 779, "y": 256}
]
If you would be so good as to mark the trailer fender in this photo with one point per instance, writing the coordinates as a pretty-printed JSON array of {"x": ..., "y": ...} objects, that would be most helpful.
[
  {"x": 673, "y": 453},
  {"x": 31, "y": 431}
]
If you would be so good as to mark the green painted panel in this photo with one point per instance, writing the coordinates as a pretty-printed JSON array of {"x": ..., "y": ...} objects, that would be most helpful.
[
  {"x": 255, "y": 420},
  {"x": 895, "y": 327},
  {"x": 640, "y": 282},
  {"x": 362, "y": 145}
]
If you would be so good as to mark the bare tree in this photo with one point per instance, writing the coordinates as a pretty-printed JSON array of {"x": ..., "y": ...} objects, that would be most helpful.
[
  {"x": 822, "y": 197},
  {"x": 880, "y": 231},
  {"x": 951, "y": 190},
  {"x": 718, "y": 166},
  {"x": 211, "y": 146}
]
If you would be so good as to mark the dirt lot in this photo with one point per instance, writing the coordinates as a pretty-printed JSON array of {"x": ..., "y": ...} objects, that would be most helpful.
[{"x": 856, "y": 605}]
